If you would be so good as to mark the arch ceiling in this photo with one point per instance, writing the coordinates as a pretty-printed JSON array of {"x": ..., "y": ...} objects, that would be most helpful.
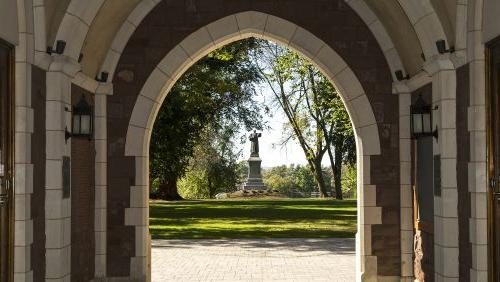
[
  {"x": 413, "y": 26},
  {"x": 399, "y": 28}
]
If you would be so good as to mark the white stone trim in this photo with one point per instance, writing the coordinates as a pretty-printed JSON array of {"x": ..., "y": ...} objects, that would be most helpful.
[
  {"x": 406, "y": 191},
  {"x": 39, "y": 34},
  {"x": 101, "y": 187},
  {"x": 57, "y": 208},
  {"x": 461, "y": 28},
  {"x": 446, "y": 245},
  {"x": 477, "y": 169},
  {"x": 93, "y": 86},
  {"x": 201, "y": 43},
  {"x": 425, "y": 23},
  {"x": 420, "y": 79},
  {"x": 75, "y": 25},
  {"x": 23, "y": 128}
]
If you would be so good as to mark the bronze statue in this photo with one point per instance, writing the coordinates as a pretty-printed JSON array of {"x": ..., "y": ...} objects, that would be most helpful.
[{"x": 254, "y": 149}]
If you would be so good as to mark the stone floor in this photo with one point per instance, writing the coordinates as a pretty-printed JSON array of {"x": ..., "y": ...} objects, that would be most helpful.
[{"x": 253, "y": 260}]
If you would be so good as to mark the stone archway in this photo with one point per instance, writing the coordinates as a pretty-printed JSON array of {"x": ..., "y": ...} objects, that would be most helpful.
[
  {"x": 222, "y": 32},
  {"x": 366, "y": 87}
]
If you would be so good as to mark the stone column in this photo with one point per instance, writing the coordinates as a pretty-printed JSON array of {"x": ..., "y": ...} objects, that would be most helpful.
[
  {"x": 100, "y": 208},
  {"x": 23, "y": 237},
  {"x": 478, "y": 222},
  {"x": 446, "y": 250},
  {"x": 406, "y": 196},
  {"x": 58, "y": 205}
]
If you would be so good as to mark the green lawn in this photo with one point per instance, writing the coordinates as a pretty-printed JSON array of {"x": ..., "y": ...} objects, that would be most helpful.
[{"x": 282, "y": 218}]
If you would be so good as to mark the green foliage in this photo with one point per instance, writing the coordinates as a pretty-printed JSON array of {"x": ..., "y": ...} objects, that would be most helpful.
[
  {"x": 193, "y": 185},
  {"x": 214, "y": 93},
  {"x": 213, "y": 167},
  {"x": 279, "y": 178},
  {"x": 294, "y": 178},
  {"x": 349, "y": 181}
]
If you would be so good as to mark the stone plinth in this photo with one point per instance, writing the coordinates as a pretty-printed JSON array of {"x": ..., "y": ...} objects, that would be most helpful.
[{"x": 254, "y": 180}]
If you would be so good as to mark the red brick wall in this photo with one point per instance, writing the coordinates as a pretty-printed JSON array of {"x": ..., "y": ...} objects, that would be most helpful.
[
  {"x": 82, "y": 201},
  {"x": 38, "y": 95},
  {"x": 463, "y": 157}
]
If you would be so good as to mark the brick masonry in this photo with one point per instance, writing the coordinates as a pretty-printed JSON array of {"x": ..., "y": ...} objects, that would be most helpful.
[
  {"x": 335, "y": 23},
  {"x": 82, "y": 200},
  {"x": 463, "y": 158},
  {"x": 38, "y": 95}
]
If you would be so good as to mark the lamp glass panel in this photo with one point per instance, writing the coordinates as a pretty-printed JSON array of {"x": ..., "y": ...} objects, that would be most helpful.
[
  {"x": 427, "y": 127},
  {"x": 417, "y": 123},
  {"x": 76, "y": 124},
  {"x": 85, "y": 126}
]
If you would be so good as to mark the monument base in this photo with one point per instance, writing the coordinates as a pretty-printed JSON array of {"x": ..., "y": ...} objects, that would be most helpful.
[
  {"x": 254, "y": 180},
  {"x": 254, "y": 184}
]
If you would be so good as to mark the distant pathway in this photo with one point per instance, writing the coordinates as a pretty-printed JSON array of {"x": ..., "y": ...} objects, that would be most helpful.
[{"x": 253, "y": 260}]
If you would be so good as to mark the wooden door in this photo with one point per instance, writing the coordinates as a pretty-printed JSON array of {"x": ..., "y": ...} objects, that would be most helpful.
[
  {"x": 6, "y": 163},
  {"x": 493, "y": 76}
]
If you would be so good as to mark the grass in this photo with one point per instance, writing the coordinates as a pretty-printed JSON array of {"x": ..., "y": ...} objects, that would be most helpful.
[{"x": 262, "y": 218}]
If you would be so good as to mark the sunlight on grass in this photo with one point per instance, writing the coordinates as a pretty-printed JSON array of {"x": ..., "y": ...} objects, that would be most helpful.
[{"x": 276, "y": 218}]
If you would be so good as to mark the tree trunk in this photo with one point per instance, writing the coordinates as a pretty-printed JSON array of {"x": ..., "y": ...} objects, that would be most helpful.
[
  {"x": 318, "y": 176},
  {"x": 338, "y": 172},
  {"x": 338, "y": 189},
  {"x": 211, "y": 190},
  {"x": 168, "y": 191},
  {"x": 336, "y": 164}
]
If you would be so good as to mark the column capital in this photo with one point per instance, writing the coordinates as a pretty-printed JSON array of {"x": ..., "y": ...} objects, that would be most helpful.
[
  {"x": 415, "y": 82},
  {"x": 438, "y": 63},
  {"x": 104, "y": 89},
  {"x": 64, "y": 64},
  {"x": 90, "y": 84},
  {"x": 400, "y": 87}
]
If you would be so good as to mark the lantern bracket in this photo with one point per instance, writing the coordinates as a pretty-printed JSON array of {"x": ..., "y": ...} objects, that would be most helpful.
[
  {"x": 435, "y": 133},
  {"x": 67, "y": 134}
]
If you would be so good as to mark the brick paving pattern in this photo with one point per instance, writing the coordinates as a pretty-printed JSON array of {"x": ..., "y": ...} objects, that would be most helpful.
[{"x": 253, "y": 260}]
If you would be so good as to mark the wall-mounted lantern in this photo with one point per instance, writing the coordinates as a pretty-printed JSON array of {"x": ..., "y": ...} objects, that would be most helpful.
[
  {"x": 421, "y": 119},
  {"x": 81, "y": 121}
]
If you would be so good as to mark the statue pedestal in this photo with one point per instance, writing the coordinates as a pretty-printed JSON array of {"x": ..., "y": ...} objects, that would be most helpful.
[{"x": 254, "y": 180}]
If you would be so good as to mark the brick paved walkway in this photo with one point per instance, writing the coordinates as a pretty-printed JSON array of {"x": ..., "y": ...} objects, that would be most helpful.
[{"x": 253, "y": 260}]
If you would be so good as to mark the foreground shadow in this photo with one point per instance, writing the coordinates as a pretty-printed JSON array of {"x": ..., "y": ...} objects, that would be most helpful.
[{"x": 295, "y": 245}]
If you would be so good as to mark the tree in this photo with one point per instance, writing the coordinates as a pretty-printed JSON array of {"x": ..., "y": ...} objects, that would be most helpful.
[
  {"x": 213, "y": 167},
  {"x": 292, "y": 81},
  {"x": 280, "y": 178},
  {"x": 316, "y": 114},
  {"x": 349, "y": 181},
  {"x": 335, "y": 123},
  {"x": 216, "y": 92},
  {"x": 293, "y": 178}
]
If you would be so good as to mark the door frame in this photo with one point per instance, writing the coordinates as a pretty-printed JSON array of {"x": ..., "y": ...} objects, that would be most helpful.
[
  {"x": 491, "y": 148},
  {"x": 9, "y": 157}
]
